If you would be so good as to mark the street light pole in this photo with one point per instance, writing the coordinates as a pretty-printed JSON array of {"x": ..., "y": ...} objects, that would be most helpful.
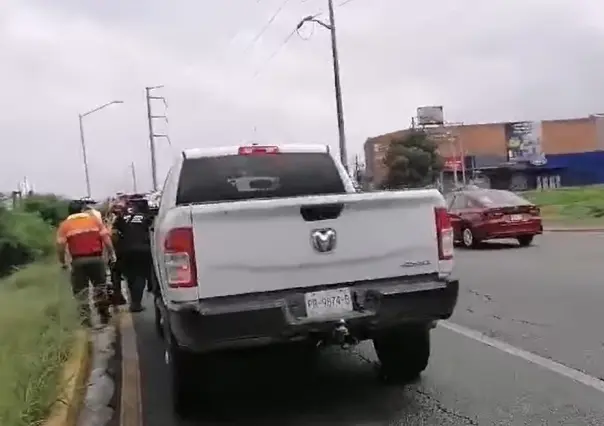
[
  {"x": 83, "y": 141},
  {"x": 336, "y": 76},
  {"x": 84, "y": 156}
]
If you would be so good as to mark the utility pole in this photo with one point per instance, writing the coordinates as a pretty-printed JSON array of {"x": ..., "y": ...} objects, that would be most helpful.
[
  {"x": 359, "y": 171},
  {"x": 133, "y": 170},
  {"x": 459, "y": 130},
  {"x": 337, "y": 86},
  {"x": 152, "y": 134},
  {"x": 456, "y": 142},
  {"x": 336, "y": 76}
]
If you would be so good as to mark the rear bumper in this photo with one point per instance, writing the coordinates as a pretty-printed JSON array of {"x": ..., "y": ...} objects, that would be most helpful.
[
  {"x": 510, "y": 230},
  {"x": 280, "y": 317}
]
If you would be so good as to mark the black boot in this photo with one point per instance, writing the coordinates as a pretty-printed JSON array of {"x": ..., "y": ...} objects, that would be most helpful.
[{"x": 137, "y": 287}]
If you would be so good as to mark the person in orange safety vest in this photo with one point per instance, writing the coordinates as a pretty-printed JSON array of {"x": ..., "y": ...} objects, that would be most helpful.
[{"x": 85, "y": 239}]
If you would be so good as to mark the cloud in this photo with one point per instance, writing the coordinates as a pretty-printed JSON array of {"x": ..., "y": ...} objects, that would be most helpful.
[{"x": 484, "y": 61}]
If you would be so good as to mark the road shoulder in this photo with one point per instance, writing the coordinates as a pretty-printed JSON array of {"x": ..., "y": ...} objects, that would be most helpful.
[
  {"x": 73, "y": 384},
  {"x": 130, "y": 394}
]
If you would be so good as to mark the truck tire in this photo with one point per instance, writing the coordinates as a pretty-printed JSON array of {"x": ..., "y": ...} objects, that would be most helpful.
[
  {"x": 403, "y": 352},
  {"x": 182, "y": 378},
  {"x": 154, "y": 284}
]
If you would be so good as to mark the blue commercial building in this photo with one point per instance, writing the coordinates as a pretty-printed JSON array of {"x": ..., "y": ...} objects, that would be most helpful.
[
  {"x": 574, "y": 169},
  {"x": 585, "y": 168}
]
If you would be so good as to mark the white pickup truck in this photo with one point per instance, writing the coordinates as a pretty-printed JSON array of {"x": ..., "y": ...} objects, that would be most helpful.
[{"x": 261, "y": 245}]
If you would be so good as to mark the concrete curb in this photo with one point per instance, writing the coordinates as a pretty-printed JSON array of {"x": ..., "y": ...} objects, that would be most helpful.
[
  {"x": 97, "y": 407},
  {"x": 65, "y": 411},
  {"x": 131, "y": 402}
]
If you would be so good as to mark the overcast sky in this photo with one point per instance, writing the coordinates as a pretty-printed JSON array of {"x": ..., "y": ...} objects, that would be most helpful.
[{"x": 483, "y": 60}]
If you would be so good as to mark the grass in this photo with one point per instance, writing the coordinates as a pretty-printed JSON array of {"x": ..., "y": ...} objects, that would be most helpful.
[
  {"x": 38, "y": 320},
  {"x": 581, "y": 206}
]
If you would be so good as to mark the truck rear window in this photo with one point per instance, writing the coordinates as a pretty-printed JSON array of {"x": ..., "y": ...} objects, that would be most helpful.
[{"x": 244, "y": 177}]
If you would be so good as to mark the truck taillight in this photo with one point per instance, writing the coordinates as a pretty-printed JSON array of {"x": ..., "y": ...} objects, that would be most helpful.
[
  {"x": 258, "y": 150},
  {"x": 444, "y": 233},
  {"x": 179, "y": 255}
]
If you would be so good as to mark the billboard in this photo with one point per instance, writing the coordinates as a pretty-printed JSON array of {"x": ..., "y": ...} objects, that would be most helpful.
[
  {"x": 430, "y": 115},
  {"x": 523, "y": 142}
]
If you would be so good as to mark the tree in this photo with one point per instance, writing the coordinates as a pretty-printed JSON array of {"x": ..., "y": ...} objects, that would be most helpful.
[
  {"x": 412, "y": 161},
  {"x": 52, "y": 208}
]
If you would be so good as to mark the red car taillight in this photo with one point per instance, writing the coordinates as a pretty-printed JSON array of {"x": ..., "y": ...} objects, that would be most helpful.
[
  {"x": 535, "y": 211},
  {"x": 444, "y": 233},
  {"x": 179, "y": 255},
  {"x": 492, "y": 214}
]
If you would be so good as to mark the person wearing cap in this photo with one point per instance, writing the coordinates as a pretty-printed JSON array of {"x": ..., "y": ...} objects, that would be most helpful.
[
  {"x": 88, "y": 207},
  {"x": 85, "y": 238}
]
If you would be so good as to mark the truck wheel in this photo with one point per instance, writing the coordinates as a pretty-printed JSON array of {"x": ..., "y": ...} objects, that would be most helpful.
[
  {"x": 403, "y": 352},
  {"x": 525, "y": 240},
  {"x": 159, "y": 322},
  {"x": 154, "y": 285},
  {"x": 182, "y": 379}
]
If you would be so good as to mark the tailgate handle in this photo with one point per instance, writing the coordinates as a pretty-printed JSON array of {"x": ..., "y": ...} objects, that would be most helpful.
[{"x": 321, "y": 212}]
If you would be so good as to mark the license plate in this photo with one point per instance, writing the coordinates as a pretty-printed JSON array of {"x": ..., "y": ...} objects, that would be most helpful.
[
  {"x": 516, "y": 217},
  {"x": 328, "y": 302}
]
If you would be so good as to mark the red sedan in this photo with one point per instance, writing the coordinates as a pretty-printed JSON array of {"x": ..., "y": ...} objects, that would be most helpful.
[{"x": 487, "y": 214}]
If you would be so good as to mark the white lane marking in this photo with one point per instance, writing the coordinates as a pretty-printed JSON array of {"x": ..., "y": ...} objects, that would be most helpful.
[{"x": 548, "y": 364}]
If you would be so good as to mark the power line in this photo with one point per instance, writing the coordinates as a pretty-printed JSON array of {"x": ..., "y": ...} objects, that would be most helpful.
[
  {"x": 267, "y": 25},
  {"x": 308, "y": 37},
  {"x": 345, "y": 2},
  {"x": 289, "y": 37},
  {"x": 275, "y": 53}
]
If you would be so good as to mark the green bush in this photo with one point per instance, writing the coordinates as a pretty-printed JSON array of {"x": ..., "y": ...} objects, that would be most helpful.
[
  {"x": 52, "y": 208},
  {"x": 26, "y": 233},
  {"x": 24, "y": 237}
]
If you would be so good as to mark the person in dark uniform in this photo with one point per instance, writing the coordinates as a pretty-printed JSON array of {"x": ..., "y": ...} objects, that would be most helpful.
[{"x": 134, "y": 257}]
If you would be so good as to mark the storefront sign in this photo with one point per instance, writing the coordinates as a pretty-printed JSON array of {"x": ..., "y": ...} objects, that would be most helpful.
[{"x": 453, "y": 163}]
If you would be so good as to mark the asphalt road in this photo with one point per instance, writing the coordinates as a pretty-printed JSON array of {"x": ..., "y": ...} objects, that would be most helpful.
[{"x": 545, "y": 299}]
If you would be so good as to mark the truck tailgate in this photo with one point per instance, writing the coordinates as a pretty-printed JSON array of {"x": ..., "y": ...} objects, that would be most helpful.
[{"x": 267, "y": 245}]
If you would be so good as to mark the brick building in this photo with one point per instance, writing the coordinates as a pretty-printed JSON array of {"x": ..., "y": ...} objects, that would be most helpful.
[{"x": 575, "y": 145}]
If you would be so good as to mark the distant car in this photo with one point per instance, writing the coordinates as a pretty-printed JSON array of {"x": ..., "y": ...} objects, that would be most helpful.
[{"x": 486, "y": 214}]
